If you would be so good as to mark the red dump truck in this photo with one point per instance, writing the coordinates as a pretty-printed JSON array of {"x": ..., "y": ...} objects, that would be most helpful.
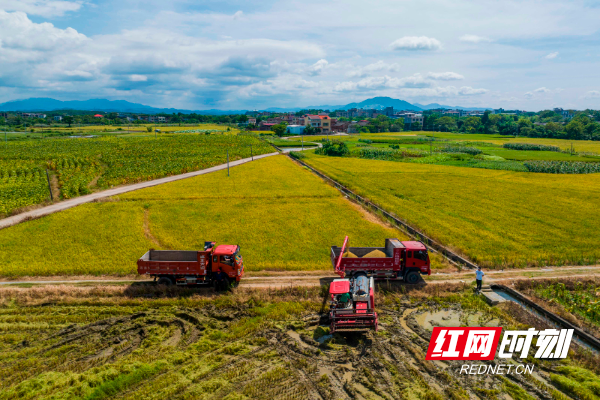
[
  {"x": 194, "y": 267},
  {"x": 399, "y": 260}
]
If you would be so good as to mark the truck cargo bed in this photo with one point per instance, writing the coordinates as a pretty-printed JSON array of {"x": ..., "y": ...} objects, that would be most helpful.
[
  {"x": 361, "y": 251},
  {"x": 170, "y": 255}
]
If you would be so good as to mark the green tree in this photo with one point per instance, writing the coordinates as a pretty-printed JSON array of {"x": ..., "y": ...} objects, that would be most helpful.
[
  {"x": 334, "y": 148},
  {"x": 279, "y": 129},
  {"x": 149, "y": 128},
  {"x": 471, "y": 124},
  {"x": 447, "y": 123},
  {"x": 309, "y": 130},
  {"x": 553, "y": 128},
  {"x": 574, "y": 129},
  {"x": 486, "y": 117},
  {"x": 69, "y": 120}
]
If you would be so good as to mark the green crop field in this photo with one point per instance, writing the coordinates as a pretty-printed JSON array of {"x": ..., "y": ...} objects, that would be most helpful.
[
  {"x": 81, "y": 166},
  {"x": 476, "y": 151},
  {"x": 497, "y": 218},
  {"x": 282, "y": 216}
]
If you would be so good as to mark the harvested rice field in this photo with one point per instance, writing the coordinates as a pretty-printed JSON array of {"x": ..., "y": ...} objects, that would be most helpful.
[{"x": 132, "y": 342}]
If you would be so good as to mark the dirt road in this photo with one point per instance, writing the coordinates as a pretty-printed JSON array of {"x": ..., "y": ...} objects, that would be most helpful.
[
  {"x": 275, "y": 280},
  {"x": 63, "y": 205}
]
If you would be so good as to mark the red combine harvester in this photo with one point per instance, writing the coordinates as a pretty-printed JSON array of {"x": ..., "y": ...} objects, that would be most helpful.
[
  {"x": 352, "y": 298},
  {"x": 352, "y": 304},
  {"x": 193, "y": 267}
]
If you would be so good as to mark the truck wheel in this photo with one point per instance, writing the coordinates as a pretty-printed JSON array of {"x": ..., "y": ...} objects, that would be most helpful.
[
  {"x": 165, "y": 280},
  {"x": 412, "y": 277}
]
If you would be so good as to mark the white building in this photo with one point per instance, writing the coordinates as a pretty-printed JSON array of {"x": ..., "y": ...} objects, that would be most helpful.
[
  {"x": 411, "y": 118},
  {"x": 58, "y": 118},
  {"x": 295, "y": 129}
]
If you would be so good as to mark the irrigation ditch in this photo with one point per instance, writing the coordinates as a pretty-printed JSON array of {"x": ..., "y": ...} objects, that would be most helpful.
[{"x": 587, "y": 340}]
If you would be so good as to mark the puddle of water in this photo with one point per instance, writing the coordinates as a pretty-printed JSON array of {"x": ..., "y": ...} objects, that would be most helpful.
[
  {"x": 451, "y": 318},
  {"x": 323, "y": 338},
  {"x": 403, "y": 319},
  {"x": 295, "y": 335}
]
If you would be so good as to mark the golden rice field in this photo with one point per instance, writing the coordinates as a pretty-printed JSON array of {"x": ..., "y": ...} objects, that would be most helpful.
[
  {"x": 497, "y": 218},
  {"x": 282, "y": 216}
]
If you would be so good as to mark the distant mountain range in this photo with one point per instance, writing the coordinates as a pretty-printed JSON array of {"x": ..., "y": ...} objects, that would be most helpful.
[{"x": 48, "y": 104}]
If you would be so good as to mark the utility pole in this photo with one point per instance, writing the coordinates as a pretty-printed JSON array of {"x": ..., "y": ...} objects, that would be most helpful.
[
  {"x": 49, "y": 187},
  {"x": 251, "y": 153},
  {"x": 227, "y": 162},
  {"x": 302, "y": 137}
]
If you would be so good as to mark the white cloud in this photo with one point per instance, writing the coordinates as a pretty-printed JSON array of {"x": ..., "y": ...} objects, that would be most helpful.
[
  {"x": 138, "y": 78},
  {"x": 442, "y": 92},
  {"x": 592, "y": 94},
  {"x": 43, "y": 8},
  {"x": 369, "y": 69},
  {"x": 542, "y": 90},
  {"x": 382, "y": 82},
  {"x": 238, "y": 14},
  {"x": 317, "y": 67},
  {"x": 468, "y": 91},
  {"x": 552, "y": 55},
  {"x": 18, "y": 32},
  {"x": 445, "y": 76},
  {"x": 474, "y": 39},
  {"x": 416, "y": 43}
]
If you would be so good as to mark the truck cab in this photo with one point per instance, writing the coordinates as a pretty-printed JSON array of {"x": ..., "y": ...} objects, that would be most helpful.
[
  {"x": 417, "y": 256},
  {"x": 227, "y": 257}
]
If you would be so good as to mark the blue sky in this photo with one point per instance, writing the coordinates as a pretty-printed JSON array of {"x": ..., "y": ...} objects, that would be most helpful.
[{"x": 245, "y": 54}]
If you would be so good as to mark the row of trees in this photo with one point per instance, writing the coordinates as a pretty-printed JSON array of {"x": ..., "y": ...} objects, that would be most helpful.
[
  {"x": 114, "y": 119},
  {"x": 583, "y": 126}
]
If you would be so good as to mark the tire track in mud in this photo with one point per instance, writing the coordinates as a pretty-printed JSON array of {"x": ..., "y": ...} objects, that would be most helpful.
[{"x": 284, "y": 360}]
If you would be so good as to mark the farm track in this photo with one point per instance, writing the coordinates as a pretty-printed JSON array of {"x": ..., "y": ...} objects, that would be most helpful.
[
  {"x": 318, "y": 278},
  {"x": 63, "y": 205}
]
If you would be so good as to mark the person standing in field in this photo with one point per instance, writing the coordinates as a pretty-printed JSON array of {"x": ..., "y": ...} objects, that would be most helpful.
[{"x": 479, "y": 278}]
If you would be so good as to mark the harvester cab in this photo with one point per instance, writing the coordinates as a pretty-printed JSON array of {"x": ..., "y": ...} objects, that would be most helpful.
[{"x": 352, "y": 307}]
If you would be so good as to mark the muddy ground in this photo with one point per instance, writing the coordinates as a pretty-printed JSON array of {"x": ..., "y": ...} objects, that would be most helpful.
[{"x": 106, "y": 343}]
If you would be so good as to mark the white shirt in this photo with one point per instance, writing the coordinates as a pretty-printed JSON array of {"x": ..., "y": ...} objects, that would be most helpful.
[{"x": 479, "y": 275}]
